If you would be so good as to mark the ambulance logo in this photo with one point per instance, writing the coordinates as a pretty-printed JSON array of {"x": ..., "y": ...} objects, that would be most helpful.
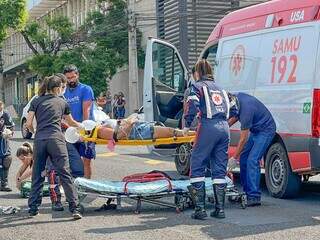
[
  {"x": 237, "y": 61},
  {"x": 216, "y": 99}
]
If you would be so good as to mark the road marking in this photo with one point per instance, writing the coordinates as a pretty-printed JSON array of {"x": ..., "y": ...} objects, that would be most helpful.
[
  {"x": 153, "y": 162},
  {"x": 109, "y": 154}
]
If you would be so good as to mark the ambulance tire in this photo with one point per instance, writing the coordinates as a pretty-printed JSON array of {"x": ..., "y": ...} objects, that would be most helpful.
[
  {"x": 280, "y": 180},
  {"x": 182, "y": 158}
]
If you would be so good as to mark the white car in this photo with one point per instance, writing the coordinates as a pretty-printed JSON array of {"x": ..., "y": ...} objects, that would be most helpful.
[{"x": 98, "y": 114}]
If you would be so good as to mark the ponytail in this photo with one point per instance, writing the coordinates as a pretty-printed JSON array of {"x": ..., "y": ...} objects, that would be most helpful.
[
  {"x": 43, "y": 87},
  {"x": 24, "y": 150}
]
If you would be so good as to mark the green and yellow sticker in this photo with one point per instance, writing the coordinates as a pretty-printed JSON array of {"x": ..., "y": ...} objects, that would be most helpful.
[{"x": 306, "y": 107}]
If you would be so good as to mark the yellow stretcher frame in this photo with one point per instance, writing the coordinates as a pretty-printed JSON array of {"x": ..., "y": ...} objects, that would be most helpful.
[{"x": 161, "y": 141}]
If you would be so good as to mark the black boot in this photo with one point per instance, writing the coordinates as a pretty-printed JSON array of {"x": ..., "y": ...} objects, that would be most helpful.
[
  {"x": 4, "y": 180},
  {"x": 198, "y": 196},
  {"x": 219, "y": 191}
]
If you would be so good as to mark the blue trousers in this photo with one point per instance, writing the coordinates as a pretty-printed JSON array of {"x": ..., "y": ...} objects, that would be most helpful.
[
  {"x": 121, "y": 112},
  {"x": 211, "y": 147},
  {"x": 250, "y": 157},
  {"x": 75, "y": 161}
]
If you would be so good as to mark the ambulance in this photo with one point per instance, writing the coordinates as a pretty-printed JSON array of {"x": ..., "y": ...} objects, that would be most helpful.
[{"x": 271, "y": 51}]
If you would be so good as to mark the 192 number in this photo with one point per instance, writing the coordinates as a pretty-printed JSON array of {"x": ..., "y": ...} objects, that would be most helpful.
[{"x": 280, "y": 64}]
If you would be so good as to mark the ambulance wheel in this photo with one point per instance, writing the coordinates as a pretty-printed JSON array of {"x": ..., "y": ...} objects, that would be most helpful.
[
  {"x": 280, "y": 180},
  {"x": 182, "y": 158}
]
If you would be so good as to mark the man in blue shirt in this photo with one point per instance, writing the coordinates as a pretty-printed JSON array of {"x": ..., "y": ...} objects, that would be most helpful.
[
  {"x": 80, "y": 98},
  {"x": 257, "y": 132}
]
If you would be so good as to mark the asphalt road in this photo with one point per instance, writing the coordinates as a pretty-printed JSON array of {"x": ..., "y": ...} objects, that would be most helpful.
[{"x": 275, "y": 219}]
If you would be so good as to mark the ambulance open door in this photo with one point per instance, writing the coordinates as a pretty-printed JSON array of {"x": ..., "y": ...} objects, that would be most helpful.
[{"x": 165, "y": 80}]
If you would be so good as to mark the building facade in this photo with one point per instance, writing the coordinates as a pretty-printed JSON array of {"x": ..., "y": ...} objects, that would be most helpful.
[
  {"x": 19, "y": 84},
  {"x": 188, "y": 23}
]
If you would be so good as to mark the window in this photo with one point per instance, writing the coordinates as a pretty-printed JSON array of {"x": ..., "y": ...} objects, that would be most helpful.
[
  {"x": 167, "y": 69},
  {"x": 211, "y": 54}
]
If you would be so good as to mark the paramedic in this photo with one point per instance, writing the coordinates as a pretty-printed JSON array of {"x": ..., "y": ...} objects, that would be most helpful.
[
  {"x": 212, "y": 139},
  {"x": 48, "y": 109},
  {"x": 80, "y": 98},
  {"x": 257, "y": 131}
]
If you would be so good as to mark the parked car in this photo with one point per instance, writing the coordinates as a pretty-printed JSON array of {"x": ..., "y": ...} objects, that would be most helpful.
[{"x": 98, "y": 114}]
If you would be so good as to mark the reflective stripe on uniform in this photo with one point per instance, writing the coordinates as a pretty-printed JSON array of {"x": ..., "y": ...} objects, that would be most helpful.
[
  {"x": 227, "y": 102},
  {"x": 219, "y": 181},
  {"x": 207, "y": 100},
  {"x": 197, "y": 179},
  {"x": 195, "y": 98}
]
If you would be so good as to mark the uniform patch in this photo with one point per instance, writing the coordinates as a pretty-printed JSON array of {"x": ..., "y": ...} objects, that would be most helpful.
[{"x": 217, "y": 99}]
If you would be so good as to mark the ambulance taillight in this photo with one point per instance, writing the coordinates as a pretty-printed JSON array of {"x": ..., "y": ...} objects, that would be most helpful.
[{"x": 316, "y": 113}]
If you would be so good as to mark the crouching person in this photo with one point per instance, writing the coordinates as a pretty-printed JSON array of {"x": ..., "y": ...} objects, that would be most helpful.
[
  {"x": 49, "y": 109},
  {"x": 212, "y": 140}
]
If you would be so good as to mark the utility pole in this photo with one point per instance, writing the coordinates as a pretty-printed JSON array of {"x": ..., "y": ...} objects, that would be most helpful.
[
  {"x": 133, "y": 59},
  {"x": 1, "y": 76}
]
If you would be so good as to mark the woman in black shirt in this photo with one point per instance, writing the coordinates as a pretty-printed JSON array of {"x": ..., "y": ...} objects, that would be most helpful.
[{"x": 49, "y": 109}]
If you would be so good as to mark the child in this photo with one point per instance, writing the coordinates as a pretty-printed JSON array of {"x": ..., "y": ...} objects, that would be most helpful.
[{"x": 24, "y": 153}]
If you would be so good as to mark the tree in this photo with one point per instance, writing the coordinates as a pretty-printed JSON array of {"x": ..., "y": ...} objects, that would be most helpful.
[
  {"x": 13, "y": 14},
  {"x": 99, "y": 48}
]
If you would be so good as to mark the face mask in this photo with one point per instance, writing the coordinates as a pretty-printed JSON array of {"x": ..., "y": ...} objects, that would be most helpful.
[{"x": 62, "y": 92}]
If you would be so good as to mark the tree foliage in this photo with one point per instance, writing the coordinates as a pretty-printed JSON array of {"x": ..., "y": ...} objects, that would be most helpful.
[
  {"x": 99, "y": 48},
  {"x": 13, "y": 14}
]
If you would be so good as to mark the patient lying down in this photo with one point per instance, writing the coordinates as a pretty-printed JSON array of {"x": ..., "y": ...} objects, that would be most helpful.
[{"x": 132, "y": 129}]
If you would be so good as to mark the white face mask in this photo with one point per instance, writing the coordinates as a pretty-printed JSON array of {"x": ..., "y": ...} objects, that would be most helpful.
[{"x": 62, "y": 92}]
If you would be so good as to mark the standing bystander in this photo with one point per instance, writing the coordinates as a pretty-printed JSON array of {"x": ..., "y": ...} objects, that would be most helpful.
[
  {"x": 80, "y": 98},
  {"x": 6, "y": 127}
]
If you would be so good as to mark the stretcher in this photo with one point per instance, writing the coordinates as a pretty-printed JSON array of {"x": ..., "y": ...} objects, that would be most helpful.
[{"x": 154, "y": 188}]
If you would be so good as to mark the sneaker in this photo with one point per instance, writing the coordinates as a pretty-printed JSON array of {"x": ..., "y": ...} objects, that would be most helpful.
[
  {"x": 57, "y": 207},
  {"x": 5, "y": 188},
  {"x": 252, "y": 202},
  {"x": 76, "y": 215},
  {"x": 33, "y": 213}
]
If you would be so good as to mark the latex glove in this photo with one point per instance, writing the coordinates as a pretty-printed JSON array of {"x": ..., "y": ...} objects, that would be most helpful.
[
  {"x": 7, "y": 133},
  {"x": 232, "y": 163},
  {"x": 185, "y": 131},
  {"x": 81, "y": 126}
]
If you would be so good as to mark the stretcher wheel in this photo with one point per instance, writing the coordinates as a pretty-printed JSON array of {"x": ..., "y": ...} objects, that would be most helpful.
[
  {"x": 233, "y": 199},
  {"x": 243, "y": 201},
  {"x": 182, "y": 158}
]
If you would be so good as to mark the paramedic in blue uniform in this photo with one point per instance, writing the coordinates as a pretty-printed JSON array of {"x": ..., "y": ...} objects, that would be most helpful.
[
  {"x": 212, "y": 104},
  {"x": 80, "y": 98},
  {"x": 258, "y": 129}
]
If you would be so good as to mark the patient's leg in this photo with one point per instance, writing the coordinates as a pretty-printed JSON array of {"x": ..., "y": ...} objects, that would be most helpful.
[
  {"x": 166, "y": 132},
  {"x": 105, "y": 133}
]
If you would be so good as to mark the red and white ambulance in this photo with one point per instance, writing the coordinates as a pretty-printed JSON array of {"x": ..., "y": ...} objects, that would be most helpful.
[{"x": 271, "y": 51}]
